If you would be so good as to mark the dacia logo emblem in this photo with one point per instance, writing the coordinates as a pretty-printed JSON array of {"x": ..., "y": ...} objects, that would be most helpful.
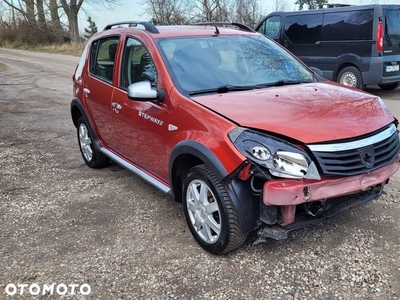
[{"x": 367, "y": 156}]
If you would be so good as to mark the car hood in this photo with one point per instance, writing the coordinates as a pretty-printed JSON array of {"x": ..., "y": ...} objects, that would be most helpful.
[{"x": 310, "y": 113}]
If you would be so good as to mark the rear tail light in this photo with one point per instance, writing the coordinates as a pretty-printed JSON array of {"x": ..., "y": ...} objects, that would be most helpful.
[{"x": 379, "y": 40}]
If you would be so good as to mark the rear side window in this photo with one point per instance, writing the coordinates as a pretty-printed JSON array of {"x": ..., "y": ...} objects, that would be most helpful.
[
  {"x": 345, "y": 26},
  {"x": 102, "y": 57},
  {"x": 303, "y": 29}
]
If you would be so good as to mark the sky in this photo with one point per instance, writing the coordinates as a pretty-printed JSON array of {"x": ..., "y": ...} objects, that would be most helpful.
[{"x": 132, "y": 10}]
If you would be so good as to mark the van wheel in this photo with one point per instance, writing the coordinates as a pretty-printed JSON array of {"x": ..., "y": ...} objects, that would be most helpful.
[
  {"x": 350, "y": 76},
  {"x": 92, "y": 157},
  {"x": 389, "y": 87},
  {"x": 210, "y": 214}
]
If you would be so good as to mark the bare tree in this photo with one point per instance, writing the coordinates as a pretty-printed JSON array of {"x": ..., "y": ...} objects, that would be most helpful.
[
  {"x": 27, "y": 9},
  {"x": 209, "y": 10},
  {"x": 71, "y": 9},
  {"x": 280, "y": 5},
  {"x": 55, "y": 23},
  {"x": 41, "y": 15},
  {"x": 248, "y": 12},
  {"x": 165, "y": 12},
  {"x": 312, "y": 4},
  {"x": 30, "y": 11},
  {"x": 191, "y": 11}
]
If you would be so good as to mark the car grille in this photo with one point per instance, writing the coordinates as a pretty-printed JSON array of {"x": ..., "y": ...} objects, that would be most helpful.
[{"x": 359, "y": 160}]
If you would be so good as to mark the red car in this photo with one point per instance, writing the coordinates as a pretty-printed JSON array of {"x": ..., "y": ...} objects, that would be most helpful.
[{"x": 229, "y": 123}]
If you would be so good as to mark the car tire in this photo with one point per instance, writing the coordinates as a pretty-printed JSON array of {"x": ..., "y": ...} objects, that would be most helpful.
[
  {"x": 389, "y": 87},
  {"x": 350, "y": 76},
  {"x": 209, "y": 211},
  {"x": 92, "y": 157}
]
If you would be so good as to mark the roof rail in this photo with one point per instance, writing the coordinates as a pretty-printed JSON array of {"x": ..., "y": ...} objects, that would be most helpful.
[
  {"x": 147, "y": 25},
  {"x": 240, "y": 25}
]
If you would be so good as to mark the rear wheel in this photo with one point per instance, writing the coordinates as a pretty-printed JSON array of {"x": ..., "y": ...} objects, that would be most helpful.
[
  {"x": 210, "y": 214},
  {"x": 350, "y": 76},
  {"x": 92, "y": 157},
  {"x": 389, "y": 87}
]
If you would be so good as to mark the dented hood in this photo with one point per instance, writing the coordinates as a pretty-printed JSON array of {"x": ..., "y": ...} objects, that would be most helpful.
[{"x": 310, "y": 113}]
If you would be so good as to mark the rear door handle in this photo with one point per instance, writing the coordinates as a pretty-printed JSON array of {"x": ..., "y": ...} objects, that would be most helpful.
[
  {"x": 116, "y": 106},
  {"x": 86, "y": 91}
]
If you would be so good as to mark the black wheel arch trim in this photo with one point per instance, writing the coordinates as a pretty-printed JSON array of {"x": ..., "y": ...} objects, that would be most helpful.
[
  {"x": 76, "y": 103},
  {"x": 202, "y": 152},
  {"x": 244, "y": 201}
]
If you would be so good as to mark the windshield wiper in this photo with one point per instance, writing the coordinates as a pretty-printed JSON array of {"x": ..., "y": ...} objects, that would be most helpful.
[
  {"x": 280, "y": 83},
  {"x": 232, "y": 88},
  {"x": 389, "y": 40},
  {"x": 224, "y": 89}
]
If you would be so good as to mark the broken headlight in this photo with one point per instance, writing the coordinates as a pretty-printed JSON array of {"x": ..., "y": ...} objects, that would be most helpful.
[{"x": 281, "y": 158}]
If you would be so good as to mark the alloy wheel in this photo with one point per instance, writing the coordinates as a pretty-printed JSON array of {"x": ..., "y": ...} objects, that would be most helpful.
[
  {"x": 203, "y": 210},
  {"x": 85, "y": 142}
]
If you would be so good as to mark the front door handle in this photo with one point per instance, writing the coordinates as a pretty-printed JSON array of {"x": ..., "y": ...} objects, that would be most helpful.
[
  {"x": 86, "y": 91},
  {"x": 116, "y": 106}
]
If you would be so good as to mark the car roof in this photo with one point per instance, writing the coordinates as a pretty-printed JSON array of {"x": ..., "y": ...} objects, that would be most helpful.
[
  {"x": 163, "y": 31},
  {"x": 191, "y": 30}
]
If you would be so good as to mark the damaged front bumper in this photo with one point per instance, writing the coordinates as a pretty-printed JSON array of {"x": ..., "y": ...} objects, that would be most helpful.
[{"x": 289, "y": 204}]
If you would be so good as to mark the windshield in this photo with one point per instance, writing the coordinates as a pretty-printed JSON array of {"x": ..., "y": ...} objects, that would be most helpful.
[{"x": 223, "y": 63}]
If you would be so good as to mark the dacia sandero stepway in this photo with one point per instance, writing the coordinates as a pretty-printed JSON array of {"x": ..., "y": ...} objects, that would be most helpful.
[{"x": 226, "y": 121}]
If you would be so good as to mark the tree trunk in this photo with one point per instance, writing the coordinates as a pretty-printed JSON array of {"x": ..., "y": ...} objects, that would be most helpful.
[
  {"x": 41, "y": 16},
  {"x": 73, "y": 28},
  {"x": 55, "y": 21},
  {"x": 71, "y": 10},
  {"x": 30, "y": 11}
]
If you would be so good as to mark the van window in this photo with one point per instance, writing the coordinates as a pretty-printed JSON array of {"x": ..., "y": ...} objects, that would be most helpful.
[
  {"x": 303, "y": 29},
  {"x": 345, "y": 26},
  {"x": 271, "y": 27},
  {"x": 393, "y": 23}
]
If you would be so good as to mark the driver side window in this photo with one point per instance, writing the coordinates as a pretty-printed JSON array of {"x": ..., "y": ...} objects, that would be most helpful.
[
  {"x": 271, "y": 27},
  {"x": 137, "y": 64}
]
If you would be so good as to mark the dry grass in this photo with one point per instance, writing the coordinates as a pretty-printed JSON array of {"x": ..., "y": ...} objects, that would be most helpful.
[
  {"x": 73, "y": 49},
  {"x": 68, "y": 48}
]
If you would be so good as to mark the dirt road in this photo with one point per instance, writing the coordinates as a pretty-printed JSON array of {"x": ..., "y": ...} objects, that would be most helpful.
[{"x": 64, "y": 223}]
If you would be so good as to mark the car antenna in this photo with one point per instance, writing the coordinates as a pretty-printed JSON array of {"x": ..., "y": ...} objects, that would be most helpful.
[{"x": 216, "y": 29}]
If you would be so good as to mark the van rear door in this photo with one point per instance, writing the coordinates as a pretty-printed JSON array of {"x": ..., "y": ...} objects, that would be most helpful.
[{"x": 391, "y": 41}]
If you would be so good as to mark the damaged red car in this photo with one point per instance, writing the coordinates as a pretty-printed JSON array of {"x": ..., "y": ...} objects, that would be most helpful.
[{"x": 229, "y": 123}]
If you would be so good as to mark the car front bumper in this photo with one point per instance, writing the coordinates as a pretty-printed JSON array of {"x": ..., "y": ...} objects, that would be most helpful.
[{"x": 288, "y": 193}]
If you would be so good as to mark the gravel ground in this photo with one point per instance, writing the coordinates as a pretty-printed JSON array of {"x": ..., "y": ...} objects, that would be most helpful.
[{"x": 65, "y": 223}]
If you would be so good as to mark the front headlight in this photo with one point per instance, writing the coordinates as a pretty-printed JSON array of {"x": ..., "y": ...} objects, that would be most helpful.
[{"x": 281, "y": 158}]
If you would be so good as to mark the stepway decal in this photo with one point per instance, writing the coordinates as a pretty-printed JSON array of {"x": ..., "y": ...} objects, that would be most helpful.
[{"x": 152, "y": 119}]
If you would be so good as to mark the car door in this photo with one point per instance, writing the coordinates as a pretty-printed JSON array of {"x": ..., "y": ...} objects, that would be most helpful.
[
  {"x": 139, "y": 127},
  {"x": 98, "y": 88}
]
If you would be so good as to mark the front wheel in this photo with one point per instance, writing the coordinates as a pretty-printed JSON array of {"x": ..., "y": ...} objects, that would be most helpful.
[
  {"x": 350, "y": 76},
  {"x": 210, "y": 214},
  {"x": 389, "y": 87}
]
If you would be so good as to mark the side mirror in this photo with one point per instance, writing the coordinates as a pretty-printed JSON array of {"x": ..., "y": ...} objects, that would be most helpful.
[
  {"x": 317, "y": 71},
  {"x": 142, "y": 91}
]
